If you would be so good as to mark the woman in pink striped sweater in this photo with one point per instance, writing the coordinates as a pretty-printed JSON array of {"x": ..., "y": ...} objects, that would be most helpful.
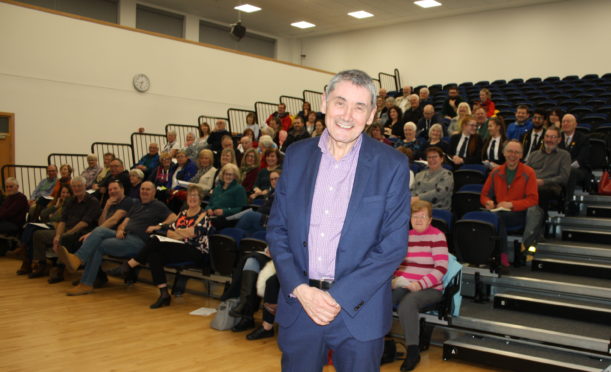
[{"x": 417, "y": 283}]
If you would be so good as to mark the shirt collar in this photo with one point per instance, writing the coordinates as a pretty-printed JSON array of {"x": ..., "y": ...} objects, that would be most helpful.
[{"x": 323, "y": 144}]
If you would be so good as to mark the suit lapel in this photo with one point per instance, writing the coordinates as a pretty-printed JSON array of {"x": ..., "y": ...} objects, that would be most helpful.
[{"x": 309, "y": 180}]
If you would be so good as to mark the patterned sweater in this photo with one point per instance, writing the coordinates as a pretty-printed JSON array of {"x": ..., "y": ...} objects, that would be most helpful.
[{"x": 426, "y": 261}]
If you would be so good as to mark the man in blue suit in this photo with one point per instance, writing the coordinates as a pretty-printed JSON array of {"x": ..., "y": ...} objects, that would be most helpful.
[{"x": 338, "y": 229}]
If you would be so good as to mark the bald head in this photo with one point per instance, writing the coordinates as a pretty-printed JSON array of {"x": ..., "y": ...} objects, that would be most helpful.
[
  {"x": 569, "y": 123},
  {"x": 428, "y": 112}
]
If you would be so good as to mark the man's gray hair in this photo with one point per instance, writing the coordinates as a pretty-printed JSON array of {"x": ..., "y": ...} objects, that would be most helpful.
[
  {"x": 78, "y": 179},
  {"x": 356, "y": 77}
]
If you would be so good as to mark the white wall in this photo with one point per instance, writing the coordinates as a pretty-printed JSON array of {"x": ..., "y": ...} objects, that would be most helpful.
[
  {"x": 69, "y": 82},
  {"x": 563, "y": 38}
]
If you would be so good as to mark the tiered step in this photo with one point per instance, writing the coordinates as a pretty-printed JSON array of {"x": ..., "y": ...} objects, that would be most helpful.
[
  {"x": 586, "y": 229},
  {"x": 555, "y": 306},
  {"x": 596, "y": 205},
  {"x": 586, "y": 259},
  {"x": 517, "y": 355}
]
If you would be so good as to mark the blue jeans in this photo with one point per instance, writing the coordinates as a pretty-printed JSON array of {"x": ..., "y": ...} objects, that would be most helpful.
[
  {"x": 103, "y": 241},
  {"x": 250, "y": 222}
]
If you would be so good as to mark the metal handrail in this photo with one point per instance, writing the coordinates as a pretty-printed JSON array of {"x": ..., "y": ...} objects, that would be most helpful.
[
  {"x": 28, "y": 176},
  {"x": 123, "y": 151}
]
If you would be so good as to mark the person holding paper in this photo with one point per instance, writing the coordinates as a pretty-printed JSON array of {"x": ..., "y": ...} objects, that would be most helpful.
[
  {"x": 511, "y": 191},
  {"x": 184, "y": 239}
]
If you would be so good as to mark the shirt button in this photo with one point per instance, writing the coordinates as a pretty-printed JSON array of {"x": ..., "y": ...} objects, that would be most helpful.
[
  {"x": 326, "y": 211},
  {"x": 336, "y": 166},
  {"x": 330, "y": 188},
  {"x": 322, "y": 235},
  {"x": 319, "y": 259}
]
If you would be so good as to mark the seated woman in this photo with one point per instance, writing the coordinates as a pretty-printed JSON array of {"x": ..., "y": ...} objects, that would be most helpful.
[
  {"x": 418, "y": 282},
  {"x": 376, "y": 132},
  {"x": 462, "y": 112},
  {"x": 162, "y": 176},
  {"x": 190, "y": 230},
  {"x": 251, "y": 123},
  {"x": 394, "y": 122},
  {"x": 254, "y": 221},
  {"x": 466, "y": 147},
  {"x": 228, "y": 197},
  {"x": 206, "y": 171},
  {"x": 434, "y": 184},
  {"x": 249, "y": 169},
  {"x": 65, "y": 175},
  {"x": 492, "y": 154},
  {"x": 51, "y": 215},
  {"x": 262, "y": 186},
  {"x": 310, "y": 123},
  {"x": 319, "y": 127},
  {"x": 435, "y": 139},
  {"x": 189, "y": 146},
  {"x": 136, "y": 176},
  {"x": 227, "y": 157},
  {"x": 410, "y": 141},
  {"x": 92, "y": 170}
]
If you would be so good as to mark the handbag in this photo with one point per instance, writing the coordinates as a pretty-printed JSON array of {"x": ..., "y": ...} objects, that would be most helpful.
[
  {"x": 604, "y": 186},
  {"x": 222, "y": 320}
]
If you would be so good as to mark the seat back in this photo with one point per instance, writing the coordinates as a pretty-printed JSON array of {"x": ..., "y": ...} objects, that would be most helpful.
[
  {"x": 476, "y": 239},
  {"x": 224, "y": 254},
  {"x": 252, "y": 245},
  {"x": 466, "y": 176},
  {"x": 598, "y": 153},
  {"x": 466, "y": 199},
  {"x": 261, "y": 235}
]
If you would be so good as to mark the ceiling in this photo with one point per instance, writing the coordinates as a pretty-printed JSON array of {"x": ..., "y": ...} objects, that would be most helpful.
[{"x": 329, "y": 16}]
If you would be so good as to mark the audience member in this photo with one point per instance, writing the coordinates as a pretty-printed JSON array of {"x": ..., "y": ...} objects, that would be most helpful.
[
  {"x": 283, "y": 117},
  {"x": 249, "y": 169},
  {"x": 13, "y": 208},
  {"x": 39, "y": 198},
  {"x": 482, "y": 122},
  {"x": 533, "y": 139},
  {"x": 403, "y": 101},
  {"x": 215, "y": 138},
  {"x": 383, "y": 93},
  {"x": 184, "y": 169},
  {"x": 65, "y": 175},
  {"x": 418, "y": 282},
  {"x": 375, "y": 130},
  {"x": 424, "y": 95},
  {"x": 117, "y": 172},
  {"x": 395, "y": 119},
  {"x": 226, "y": 143},
  {"x": 204, "y": 133},
  {"x": 578, "y": 145},
  {"x": 462, "y": 111},
  {"x": 246, "y": 142},
  {"x": 435, "y": 139},
  {"x": 492, "y": 154},
  {"x": 190, "y": 147},
  {"x": 319, "y": 128},
  {"x": 50, "y": 216},
  {"x": 466, "y": 147},
  {"x": 190, "y": 232},
  {"x": 251, "y": 123},
  {"x": 555, "y": 117},
  {"x": 136, "y": 176},
  {"x": 161, "y": 176},
  {"x": 513, "y": 188},
  {"x": 297, "y": 133},
  {"x": 128, "y": 239},
  {"x": 485, "y": 101},
  {"x": 171, "y": 144},
  {"x": 273, "y": 161},
  {"x": 273, "y": 124},
  {"x": 310, "y": 123},
  {"x": 79, "y": 216},
  {"x": 254, "y": 221},
  {"x": 92, "y": 170},
  {"x": 227, "y": 157},
  {"x": 389, "y": 102},
  {"x": 434, "y": 184},
  {"x": 377, "y": 118},
  {"x": 413, "y": 113},
  {"x": 450, "y": 105},
  {"x": 522, "y": 124},
  {"x": 228, "y": 197},
  {"x": 306, "y": 109},
  {"x": 108, "y": 157},
  {"x": 206, "y": 171},
  {"x": 428, "y": 118},
  {"x": 552, "y": 166},
  {"x": 409, "y": 139},
  {"x": 149, "y": 161}
]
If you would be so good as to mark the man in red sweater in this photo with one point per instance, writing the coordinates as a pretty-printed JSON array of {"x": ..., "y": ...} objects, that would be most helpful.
[{"x": 512, "y": 187}]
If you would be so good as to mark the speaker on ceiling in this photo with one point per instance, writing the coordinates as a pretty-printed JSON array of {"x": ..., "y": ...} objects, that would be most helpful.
[{"x": 237, "y": 31}]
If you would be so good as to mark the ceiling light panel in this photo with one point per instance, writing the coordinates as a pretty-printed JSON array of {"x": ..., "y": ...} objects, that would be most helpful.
[
  {"x": 427, "y": 3},
  {"x": 360, "y": 14},
  {"x": 303, "y": 24},
  {"x": 247, "y": 8}
]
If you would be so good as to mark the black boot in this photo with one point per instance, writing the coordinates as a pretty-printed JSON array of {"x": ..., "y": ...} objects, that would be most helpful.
[
  {"x": 163, "y": 300},
  {"x": 412, "y": 359},
  {"x": 247, "y": 291},
  {"x": 244, "y": 324},
  {"x": 260, "y": 333}
]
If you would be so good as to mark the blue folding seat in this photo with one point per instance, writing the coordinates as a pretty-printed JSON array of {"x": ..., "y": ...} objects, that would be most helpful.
[
  {"x": 466, "y": 199},
  {"x": 476, "y": 239}
]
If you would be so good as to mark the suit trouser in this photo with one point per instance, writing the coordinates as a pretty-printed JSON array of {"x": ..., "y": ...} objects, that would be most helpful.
[
  {"x": 578, "y": 176},
  {"x": 103, "y": 241},
  {"x": 305, "y": 345},
  {"x": 410, "y": 305},
  {"x": 43, "y": 239}
]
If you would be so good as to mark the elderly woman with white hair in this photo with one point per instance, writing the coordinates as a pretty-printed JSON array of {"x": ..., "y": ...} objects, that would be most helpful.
[
  {"x": 462, "y": 111},
  {"x": 171, "y": 145},
  {"x": 136, "y": 176},
  {"x": 92, "y": 171},
  {"x": 435, "y": 139},
  {"x": 410, "y": 141}
]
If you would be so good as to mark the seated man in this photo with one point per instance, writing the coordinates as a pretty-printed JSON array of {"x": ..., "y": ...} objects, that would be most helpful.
[
  {"x": 108, "y": 157},
  {"x": 117, "y": 172},
  {"x": 403, "y": 101},
  {"x": 578, "y": 145},
  {"x": 126, "y": 241},
  {"x": 429, "y": 117},
  {"x": 216, "y": 136},
  {"x": 513, "y": 186},
  {"x": 149, "y": 161},
  {"x": 298, "y": 132},
  {"x": 533, "y": 139},
  {"x": 284, "y": 118},
  {"x": 482, "y": 122},
  {"x": 13, "y": 208},
  {"x": 42, "y": 190},
  {"x": 425, "y": 97},
  {"x": 522, "y": 124},
  {"x": 552, "y": 166},
  {"x": 79, "y": 216},
  {"x": 450, "y": 105}
]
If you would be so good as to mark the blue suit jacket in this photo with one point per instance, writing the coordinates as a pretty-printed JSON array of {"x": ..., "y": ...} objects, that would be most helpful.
[{"x": 373, "y": 240}]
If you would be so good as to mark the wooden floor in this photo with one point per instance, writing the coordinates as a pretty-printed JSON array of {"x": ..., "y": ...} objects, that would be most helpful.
[{"x": 42, "y": 329}]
